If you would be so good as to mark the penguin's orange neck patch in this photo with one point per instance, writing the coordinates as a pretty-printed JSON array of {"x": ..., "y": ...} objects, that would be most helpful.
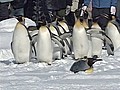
[
  {"x": 85, "y": 24},
  {"x": 77, "y": 24}
]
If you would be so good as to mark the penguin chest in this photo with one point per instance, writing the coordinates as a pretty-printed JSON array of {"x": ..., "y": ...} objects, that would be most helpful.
[
  {"x": 114, "y": 35},
  {"x": 44, "y": 47},
  {"x": 21, "y": 45},
  {"x": 80, "y": 43}
]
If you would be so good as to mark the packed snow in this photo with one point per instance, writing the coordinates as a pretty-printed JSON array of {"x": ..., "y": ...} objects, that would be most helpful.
[{"x": 40, "y": 76}]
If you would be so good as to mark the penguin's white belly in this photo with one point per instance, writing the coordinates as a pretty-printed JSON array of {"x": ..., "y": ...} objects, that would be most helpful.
[
  {"x": 80, "y": 43},
  {"x": 44, "y": 47},
  {"x": 90, "y": 54},
  {"x": 114, "y": 35},
  {"x": 57, "y": 52},
  {"x": 21, "y": 45},
  {"x": 96, "y": 46}
]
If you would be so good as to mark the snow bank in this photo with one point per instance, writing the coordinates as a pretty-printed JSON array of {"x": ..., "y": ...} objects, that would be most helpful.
[{"x": 8, "y": 25}]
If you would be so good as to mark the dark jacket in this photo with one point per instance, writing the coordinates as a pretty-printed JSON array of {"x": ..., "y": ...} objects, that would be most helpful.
[
  {"x": 4, "y": 1},
  {"x": 101, "y": 3},
  {"x": 16, "y": 4},
  {"x": 36, "y": 10},
  {"x": 4, "y": 11},
  {"x": 58, "y": 4}
]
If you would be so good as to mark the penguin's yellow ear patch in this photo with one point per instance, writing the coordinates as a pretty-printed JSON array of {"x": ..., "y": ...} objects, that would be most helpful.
[
  {"x": 19, "y": 25},
  {"x": 85, "y": 24}
]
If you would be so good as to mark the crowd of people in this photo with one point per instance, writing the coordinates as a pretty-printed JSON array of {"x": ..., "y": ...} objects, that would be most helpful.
[{"x": 48, "y": 10}]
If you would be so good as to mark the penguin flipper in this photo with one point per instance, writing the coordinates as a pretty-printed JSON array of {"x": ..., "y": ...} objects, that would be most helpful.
[
  {"x": 65, "y": 35},
  {"x": 110, "y": 49},
  {"x": 12, "y": 46},
  {"x": 109, "y": 44}
]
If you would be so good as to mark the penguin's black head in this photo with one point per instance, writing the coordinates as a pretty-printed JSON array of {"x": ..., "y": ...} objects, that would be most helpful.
[
  {"x": 41, "y": 22},
  {"x": 20, "y": 18},
  {"x": 78, "y": 14}
]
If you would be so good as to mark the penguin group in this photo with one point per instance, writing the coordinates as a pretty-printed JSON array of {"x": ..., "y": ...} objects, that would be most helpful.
[
  {"x": 45, "y": 43},
  {"x": 55, "y": 41}
]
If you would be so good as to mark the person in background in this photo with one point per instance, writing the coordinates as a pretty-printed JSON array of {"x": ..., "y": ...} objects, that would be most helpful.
[
  {"x": 118, "y": 12},
  {"x": 59, "y": 8},
  {"x": 64, "y": 5},
  {"x": 101, "y": 11},
  {"x": 28, "y": 9},
  {"x": 4, "y": 9},
  {"x": 70, "y": 17},
  {"x": 17, "y": 8},
  {"x": 37, "y": 11},
  {"x": 44, "y": 10}
]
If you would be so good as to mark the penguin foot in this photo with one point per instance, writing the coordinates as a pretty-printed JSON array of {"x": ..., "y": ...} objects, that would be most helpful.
[{"x": 90, "y": 70}]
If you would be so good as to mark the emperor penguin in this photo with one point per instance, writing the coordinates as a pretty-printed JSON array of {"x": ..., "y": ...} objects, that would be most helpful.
[
  {"x": 20, "y": 45},
  {"x": 80, "y": 41},
  {"x": 53, "y": 30},
  {"x": 57, "y": 43},
  {"x": 96, "y": 42},
  {"x": 64, "y": 25},
  {"x": 113, "y": 32},
  {"x": 97, "y": 37},
  {"x": 81, "y": 48},
  {"x": 66, "y": 36},
  {"x": 44, "y": 45}
]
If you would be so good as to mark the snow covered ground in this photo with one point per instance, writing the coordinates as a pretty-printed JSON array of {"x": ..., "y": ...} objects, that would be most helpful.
[{"x": 40, "y": 76}]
